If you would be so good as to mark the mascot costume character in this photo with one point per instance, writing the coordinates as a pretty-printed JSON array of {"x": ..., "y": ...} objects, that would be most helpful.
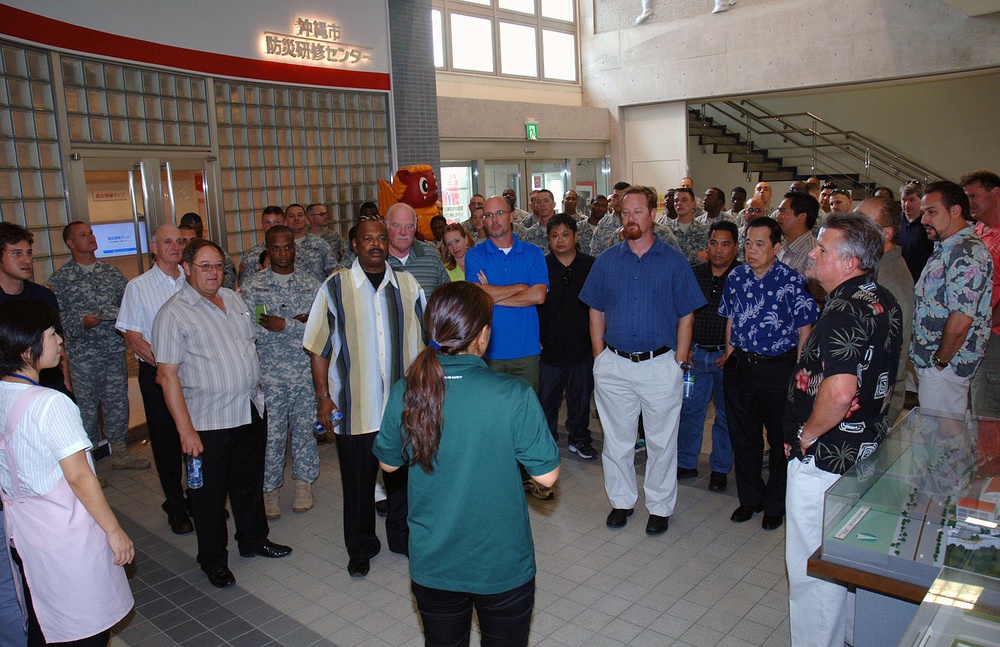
[{"x": 417, "y": 187}]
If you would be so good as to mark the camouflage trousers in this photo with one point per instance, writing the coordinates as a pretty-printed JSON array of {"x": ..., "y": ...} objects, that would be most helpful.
[
  {"x": 100, "y": 379},
  {"x": 291, "y": 411}
]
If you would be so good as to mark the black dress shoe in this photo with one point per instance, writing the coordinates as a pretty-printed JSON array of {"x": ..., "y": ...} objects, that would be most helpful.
[
  {"x": 619, "y": 517},
  {"x": 267, "y": 549},
  {"x": 745, "y": 512},
  {"x": 717, "y": 482},
  {"x": 772, "y": 521},
  {"x": 685, "y": 473},
  {"x": 358, "y": 567},
  {"x": 657, "y": 525},
  {"x": 382, "y": 508},
  {"x": 179, "y": 522},
  {"x": 221, "y": 577}
]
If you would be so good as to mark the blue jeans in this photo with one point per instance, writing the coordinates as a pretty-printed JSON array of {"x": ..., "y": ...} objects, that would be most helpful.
[
  {"x": 11, "y": 624},
  {"x": 504, "y": 618},
  {"x": 707, "y": 386},
  {"x": 578, "y": 382}
]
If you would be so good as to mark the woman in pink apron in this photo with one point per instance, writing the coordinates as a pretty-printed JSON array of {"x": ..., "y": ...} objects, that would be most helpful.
[{"x": 63, "y": 536}]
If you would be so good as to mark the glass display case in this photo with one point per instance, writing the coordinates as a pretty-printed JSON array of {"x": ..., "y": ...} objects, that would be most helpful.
[
  {"x": 962, "y": 609},
  {"x": 928, "y": 497}
]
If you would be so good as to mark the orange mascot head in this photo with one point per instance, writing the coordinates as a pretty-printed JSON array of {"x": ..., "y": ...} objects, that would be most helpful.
[{"x": 416, "y": 186}]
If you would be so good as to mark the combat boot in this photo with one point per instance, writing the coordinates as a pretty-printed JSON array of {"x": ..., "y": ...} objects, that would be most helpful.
[
  {"x": 123, "y": 459},
  {"x": 303, "y": 496},
  {"x": 272, "y": 505}
]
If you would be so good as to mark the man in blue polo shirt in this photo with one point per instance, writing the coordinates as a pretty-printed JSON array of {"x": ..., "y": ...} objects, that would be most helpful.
[
  {"x": 514, "y": 273},
  {"x": 642, "y": 296}
]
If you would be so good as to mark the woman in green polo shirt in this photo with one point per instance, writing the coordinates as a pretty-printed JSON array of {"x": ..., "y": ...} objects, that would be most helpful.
[{"x": 466, "y": 428}]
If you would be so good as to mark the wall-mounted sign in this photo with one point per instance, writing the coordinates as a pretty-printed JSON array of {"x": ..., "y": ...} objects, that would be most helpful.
[
  {"x": 109, "y": 196},
  {"x": 531, "y": 131},
  {"x": 317, "y": 41}
]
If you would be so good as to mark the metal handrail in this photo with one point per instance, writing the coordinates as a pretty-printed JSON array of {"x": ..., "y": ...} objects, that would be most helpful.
[{"x": 873, "y": 155}]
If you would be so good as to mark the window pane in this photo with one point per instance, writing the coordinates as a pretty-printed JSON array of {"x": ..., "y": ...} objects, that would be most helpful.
[
  {"x": 518, "y": 53},
  {"x": 485, "y": 3},
  {"x": 559, "y": 55},
  {"x": 457, "y": 192},
  {"x": 471, "y": 43},
  {"x": 558, "y": 9},
  {"x": 520, "y": 6},
  {"x": 438, "y": 38}
]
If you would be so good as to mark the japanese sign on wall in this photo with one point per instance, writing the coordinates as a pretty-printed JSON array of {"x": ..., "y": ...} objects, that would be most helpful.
[{"x": 318, "y": 41}]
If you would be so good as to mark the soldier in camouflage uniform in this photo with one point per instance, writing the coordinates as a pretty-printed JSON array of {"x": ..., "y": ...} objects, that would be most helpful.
[
  {"x": 286, "y": 294},
  {"x": 312, "y": 254},
  {"x": 250, "y": 262},
  {"x": 89, "y": 293},
  {"x": 691, "y": 233},
  {"x": 319, "y": 225}
]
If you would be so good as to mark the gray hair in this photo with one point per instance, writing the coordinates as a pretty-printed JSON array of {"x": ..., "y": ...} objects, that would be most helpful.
[{"x": 862, "y": 239}]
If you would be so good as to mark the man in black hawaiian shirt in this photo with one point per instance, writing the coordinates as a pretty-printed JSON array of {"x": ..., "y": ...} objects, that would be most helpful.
[{"x": 837, "y": 404}]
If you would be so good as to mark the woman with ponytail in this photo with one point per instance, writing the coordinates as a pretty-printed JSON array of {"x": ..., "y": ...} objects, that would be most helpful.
[{"x": 465, "y": 429}]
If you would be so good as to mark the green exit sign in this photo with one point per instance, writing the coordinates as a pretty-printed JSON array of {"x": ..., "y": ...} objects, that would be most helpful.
[{"x": 531, "y": 131}]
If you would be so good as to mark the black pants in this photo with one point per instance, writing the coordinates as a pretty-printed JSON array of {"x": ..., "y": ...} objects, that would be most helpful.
[
  {"x": 163, "y": 438},
  {"x": 358, "y": 470},
  {"x": 755, "y": 398},
  {"x": 504, "y": 618},
  {"x": 578, "y": 383},
  {"x": 35, "y": 637},
  {"x": 233, "y": 466}
]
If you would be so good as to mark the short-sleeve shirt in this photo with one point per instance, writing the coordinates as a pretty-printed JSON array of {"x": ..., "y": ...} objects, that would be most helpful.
[
  {"x": 424, "y": 263},
  {"x": 49, "y": 431},
  {"x": 796, "y": 254},
  {"x": 709, "y": 327},
  {"x": 216, "y": 355},
  {"x": 767, "y": 312},
  {"x": 642, "y": 299},
  {"x": 469, "y": 528},
  {"x": 991, "y": 238},
  {"x": 859, "y": 333},
  {"x": 564, "y": 319},
  {"x": 917, "y": 248},
  {"x": 958, "y": 277},
  {"x": 515, "y": 330},
  {"x": 143, "y": 298}
]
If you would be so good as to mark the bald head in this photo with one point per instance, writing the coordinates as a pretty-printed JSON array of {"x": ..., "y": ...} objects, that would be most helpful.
[
  {"x": 887, "y": 214},
  {"x": 166, "y": 246}
]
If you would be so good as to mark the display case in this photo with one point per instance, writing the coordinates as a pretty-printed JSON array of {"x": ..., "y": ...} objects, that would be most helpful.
[
  {"x": 961, "y": 609},
  {"x": 928, "y": 497}
]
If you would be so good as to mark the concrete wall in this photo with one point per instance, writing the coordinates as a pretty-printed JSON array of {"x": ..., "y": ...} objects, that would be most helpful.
[{"x": 686, "y": 53}]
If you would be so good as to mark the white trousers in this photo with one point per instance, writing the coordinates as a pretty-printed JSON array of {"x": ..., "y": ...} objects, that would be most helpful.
[
  {"x": 943, "y": 391},
  {"x": 623, "y": 389},
  {"x": 817, "y": 609}
]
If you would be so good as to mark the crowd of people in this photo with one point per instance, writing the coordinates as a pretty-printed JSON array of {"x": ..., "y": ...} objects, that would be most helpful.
[{"x": 808, "y": 321}]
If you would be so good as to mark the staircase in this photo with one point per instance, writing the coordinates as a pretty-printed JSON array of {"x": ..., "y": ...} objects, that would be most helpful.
[{"x": 767, "y": 143}]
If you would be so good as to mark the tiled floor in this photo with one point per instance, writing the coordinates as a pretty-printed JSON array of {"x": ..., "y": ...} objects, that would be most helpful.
[{"x": 707, "y": 581}]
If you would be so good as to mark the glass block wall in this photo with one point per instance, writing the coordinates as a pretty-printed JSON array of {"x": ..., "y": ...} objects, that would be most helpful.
[
  {"x": 279, "y": 145},
  {"x": 109, "y": 103},
  {"x": 32, "y": 188}
]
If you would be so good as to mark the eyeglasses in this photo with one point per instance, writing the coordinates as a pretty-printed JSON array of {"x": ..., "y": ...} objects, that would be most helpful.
[
  {"x": 495, "y": 214},
  {"x": 754, "y": 210},
  {"x": 209, "y": 267}
]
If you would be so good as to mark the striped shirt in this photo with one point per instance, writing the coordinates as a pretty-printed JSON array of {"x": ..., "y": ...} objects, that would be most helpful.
[
  {"x": 369, "y": 337},
  {"x": 144, "y": 295},
  {"x": 216, "y": 355},
  {"x": 424, "y": 263},
  {"x": 49, "y": 431}
]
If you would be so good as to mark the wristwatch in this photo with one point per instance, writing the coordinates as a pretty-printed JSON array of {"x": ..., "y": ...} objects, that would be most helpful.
[
  {"x": 937, "y": 361},
  {"x": 805, "y": 443}
]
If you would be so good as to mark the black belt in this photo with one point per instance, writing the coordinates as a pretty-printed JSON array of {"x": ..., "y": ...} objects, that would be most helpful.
[
  {"x": 756, "y": 358},
  {"x": 711, "y": 349},
  {"x": 639, "y": 357}
]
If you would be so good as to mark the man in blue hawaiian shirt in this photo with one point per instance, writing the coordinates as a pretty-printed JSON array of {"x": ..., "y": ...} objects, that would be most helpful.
[
  {"x": 951, "y": 321},
  {"x": 770, "y": 314}
]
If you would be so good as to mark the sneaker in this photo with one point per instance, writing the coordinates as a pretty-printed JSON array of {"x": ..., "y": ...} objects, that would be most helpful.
[
  {"x": 122, "y": 459},
  {"x": 640, "y": 445},
  {"x": 272, "y": 505},
  {"x": 303, "y": 496},
  {"x": 539, "y": 491},
  {"x": 585, "y": 451}
]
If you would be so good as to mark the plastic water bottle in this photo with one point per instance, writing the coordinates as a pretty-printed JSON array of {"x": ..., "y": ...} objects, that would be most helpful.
[
  {"x": 688, "y": 384},
  {"x": 335, "y": 417},
  {"x": 195, "y": 476}
]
